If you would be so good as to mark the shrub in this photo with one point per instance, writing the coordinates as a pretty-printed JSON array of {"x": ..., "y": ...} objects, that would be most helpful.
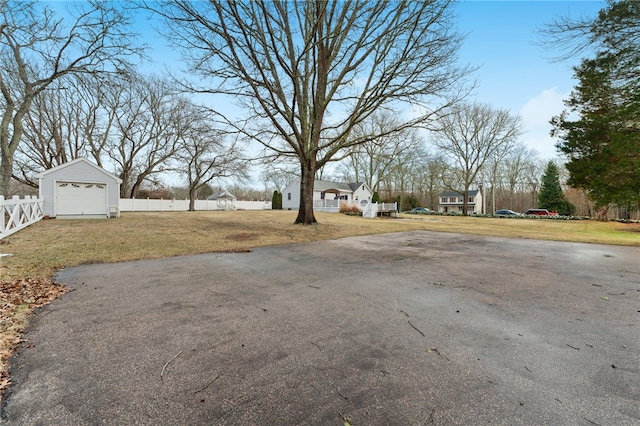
[
  {"x": 349, "y": 208},
  {"x": 276, "y": 201},
  {"x": 406, "y": 201}
]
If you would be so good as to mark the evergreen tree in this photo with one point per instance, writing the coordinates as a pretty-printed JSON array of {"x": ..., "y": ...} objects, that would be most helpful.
[
  {"x": 551, "y": 196},
  {"x": 276, "y": 200},
  {"x": 603, "y": 143}
]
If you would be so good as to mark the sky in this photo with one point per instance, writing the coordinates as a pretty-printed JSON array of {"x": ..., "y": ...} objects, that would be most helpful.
[{"x": 515, "y": 73}]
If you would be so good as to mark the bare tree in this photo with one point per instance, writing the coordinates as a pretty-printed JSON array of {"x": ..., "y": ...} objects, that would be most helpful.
[
  {"x": 64, "y": 124},
  {"x": 374, "y": 160},
  {"x": 150, "y": 123},
  {"x": 427, "y": 182},
  {"x": 277, "y": 177},
  {"x": 493, "y": 173},
  {"x": 517, "y": 172},
  {"x": 470, "y": 135},
  {"x": 307, "y": 72},
  {"x": 37, "y": 48},
  {"x": 50, "y": 136},
  {"x": 401, "y": 168},
  {"x": 204, "y": 156}
]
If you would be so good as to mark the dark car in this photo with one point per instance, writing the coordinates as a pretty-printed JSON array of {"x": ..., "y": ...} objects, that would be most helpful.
[
  {"x": 420, "y": 210},
  {"x": 506, "y": 212}
]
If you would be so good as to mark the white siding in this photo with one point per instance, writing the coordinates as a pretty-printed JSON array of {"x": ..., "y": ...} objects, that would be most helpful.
[
  {"x": 294, "y": 190},
  {"x": 76, "y": 171},
  {"x": 362, "y": 193}
]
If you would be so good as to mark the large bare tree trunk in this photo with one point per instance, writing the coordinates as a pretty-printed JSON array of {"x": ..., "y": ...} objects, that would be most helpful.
[
  {"x": 465, "y": 201},
  {"x": 9, "y": 143},
  {"x": 305, "y": 211},
  {"x": 5, "y": 164},
  {"x": 124, "y": 187},
  {"x": 192, "y": 199}
]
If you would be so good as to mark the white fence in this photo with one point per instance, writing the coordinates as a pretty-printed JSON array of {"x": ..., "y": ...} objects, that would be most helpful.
[
  {"x": 18, "y": 214},
  {"x": 333, "y": 206},
  {"x": 368, "y": 209},
  {"x": 371, "y": 210},
  {"x": 148, "y": 205}
]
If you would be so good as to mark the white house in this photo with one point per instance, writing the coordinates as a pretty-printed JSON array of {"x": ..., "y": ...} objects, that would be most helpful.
[
  {"x": 452, "y": 202},
  {"x": 327, "y": 196},
  {"x": 79, "y": 189}
]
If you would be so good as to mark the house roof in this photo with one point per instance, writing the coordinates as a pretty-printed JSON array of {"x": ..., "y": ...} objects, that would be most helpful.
[
  {"x": 323, "y": 185},
  {"x": 76, "y": 161},
  {"x": 472, "y": 193},
  {"x": 224, "y": 195}
]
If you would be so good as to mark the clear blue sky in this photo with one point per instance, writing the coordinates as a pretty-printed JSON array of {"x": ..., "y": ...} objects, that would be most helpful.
[{"x": 514, "y": 73}]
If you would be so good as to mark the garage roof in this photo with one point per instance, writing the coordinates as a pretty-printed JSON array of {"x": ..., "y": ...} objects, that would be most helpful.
[{"x": 72, "y": 162}]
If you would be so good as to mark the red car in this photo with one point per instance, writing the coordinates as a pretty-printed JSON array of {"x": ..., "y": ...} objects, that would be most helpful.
[{"x": 540, "y": 212}]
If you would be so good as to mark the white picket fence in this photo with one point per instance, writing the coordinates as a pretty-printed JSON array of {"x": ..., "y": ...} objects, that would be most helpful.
[
  {"x": 17, "y": 214},
  {"x": 161, "y": 205}
]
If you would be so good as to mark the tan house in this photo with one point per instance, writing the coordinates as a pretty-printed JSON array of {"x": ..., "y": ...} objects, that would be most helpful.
[{"x": 452, "y": 202}]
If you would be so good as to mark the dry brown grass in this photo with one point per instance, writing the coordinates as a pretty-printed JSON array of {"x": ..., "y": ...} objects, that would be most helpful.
[{"x": 42, "y": 249}]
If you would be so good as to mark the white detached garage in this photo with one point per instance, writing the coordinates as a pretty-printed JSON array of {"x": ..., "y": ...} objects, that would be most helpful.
[{"x": 79, "y": 189}]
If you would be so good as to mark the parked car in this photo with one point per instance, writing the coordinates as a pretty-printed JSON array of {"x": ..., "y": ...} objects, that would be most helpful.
[
  {"x": 420, "y": 210},
  {"x": 507, "y": 212},
  {"x": 540, "y": 212}
]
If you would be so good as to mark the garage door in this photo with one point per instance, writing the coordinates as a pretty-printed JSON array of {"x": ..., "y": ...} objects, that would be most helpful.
[{"x": 81, "y": 198}]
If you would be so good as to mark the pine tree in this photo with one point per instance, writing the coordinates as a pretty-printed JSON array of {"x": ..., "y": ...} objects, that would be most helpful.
[
  {"x": 600, "y": 131},
  {"x": 276, "y": 200},
  {"x": 551, "y": 196}
]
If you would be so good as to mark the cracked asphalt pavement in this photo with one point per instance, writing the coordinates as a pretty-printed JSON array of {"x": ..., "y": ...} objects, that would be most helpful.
[{"x": 410, "y": 328}]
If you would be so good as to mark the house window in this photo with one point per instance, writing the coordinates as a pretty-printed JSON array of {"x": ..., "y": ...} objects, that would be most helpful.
[
  {"x": 289, "y": 196},
  {"x": 471, "y": 199},
  {"x": 443, "y": 200},
  {"x": 452, "y": 199}
]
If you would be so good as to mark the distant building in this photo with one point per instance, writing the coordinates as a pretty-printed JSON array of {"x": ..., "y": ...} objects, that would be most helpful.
[
  {"x": 225, "y": 199},
  {"x": 452, "y": 202},
  {"x": 327, "y": 196},
  {"x": 79, "y": 189}
]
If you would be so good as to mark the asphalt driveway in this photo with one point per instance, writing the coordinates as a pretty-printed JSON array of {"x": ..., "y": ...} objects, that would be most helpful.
[{"x": 399, "y": 329}]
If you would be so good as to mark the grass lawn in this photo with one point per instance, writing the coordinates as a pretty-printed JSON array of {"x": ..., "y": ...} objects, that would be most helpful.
[{"x": 40, "y": 250}]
